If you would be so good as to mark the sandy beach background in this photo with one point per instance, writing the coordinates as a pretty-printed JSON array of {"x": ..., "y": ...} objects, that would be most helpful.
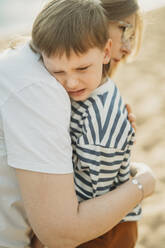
[{"x": 142, "y": 83}]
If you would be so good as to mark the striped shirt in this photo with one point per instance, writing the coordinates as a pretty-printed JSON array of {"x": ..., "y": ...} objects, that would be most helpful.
[{"x": 102, "y": 138}]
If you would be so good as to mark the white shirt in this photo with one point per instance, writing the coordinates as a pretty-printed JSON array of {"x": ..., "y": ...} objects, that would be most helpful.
[{"x": 34, "y": 134}]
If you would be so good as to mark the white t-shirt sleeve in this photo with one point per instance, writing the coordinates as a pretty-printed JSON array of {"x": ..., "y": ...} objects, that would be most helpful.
[{"x": 36, "y": 129}]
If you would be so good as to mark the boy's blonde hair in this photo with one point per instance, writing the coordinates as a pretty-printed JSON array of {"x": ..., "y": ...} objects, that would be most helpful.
[{"x": 70, "y": 25}]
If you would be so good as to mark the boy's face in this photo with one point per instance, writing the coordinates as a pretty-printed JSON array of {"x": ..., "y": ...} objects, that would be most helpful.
[{"x": 79, "y": 74}]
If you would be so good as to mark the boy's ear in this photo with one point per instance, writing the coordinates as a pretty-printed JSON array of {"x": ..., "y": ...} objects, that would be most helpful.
[{"x": 107, "y": 52}]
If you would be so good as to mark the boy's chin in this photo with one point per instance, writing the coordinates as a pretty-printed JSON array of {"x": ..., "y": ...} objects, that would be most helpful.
[{"x": 80, "y": 99}]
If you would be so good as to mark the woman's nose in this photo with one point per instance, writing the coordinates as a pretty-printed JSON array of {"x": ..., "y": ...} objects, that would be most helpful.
[{"x": 126, "y": 47}]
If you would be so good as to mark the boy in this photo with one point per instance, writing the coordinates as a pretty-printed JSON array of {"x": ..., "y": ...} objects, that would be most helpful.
[{"x": 78, "y": 56}]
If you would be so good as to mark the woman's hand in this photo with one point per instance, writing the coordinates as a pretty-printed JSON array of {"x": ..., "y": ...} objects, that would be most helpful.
[
  {"x": 131, "y": 116},
  {"x": 145, "y": 176},
  {"x": 36, "y": 243}
]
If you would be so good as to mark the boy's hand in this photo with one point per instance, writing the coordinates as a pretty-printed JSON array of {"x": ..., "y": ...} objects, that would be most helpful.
[{"x": 131, "y": 116}]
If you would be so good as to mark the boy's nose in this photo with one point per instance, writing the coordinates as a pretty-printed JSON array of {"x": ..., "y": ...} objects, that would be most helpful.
[{"x": 71, "y": 83}]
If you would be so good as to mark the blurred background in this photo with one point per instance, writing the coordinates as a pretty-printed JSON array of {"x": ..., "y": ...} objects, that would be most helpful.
[
  {"x": 16, "y": 16},
  {"x": 142, "y": 83}
]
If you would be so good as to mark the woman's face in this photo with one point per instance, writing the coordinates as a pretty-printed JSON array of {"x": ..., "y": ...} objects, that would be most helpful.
[{"x": 122, "y": 34}]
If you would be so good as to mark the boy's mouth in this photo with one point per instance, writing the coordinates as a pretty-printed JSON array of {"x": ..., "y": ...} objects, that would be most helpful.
[{"x": 76, "y": 93}]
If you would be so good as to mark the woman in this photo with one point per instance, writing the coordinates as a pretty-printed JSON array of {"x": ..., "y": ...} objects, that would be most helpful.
[
  {"x": 37, "y": 187},
  {"x": 125, "y": 27},
  {"x": 124, "y": 24}
]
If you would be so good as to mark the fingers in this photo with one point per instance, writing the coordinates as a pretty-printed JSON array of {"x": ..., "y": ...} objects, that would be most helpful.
[
  {"x": 131, "y": 116},
  {"x": 133, "y": 124},
  {"x": 133, "y": 171},
  {"x": 128, "y": 107},
  {"x": 140, "y": 167},
  {"x": 146, "y": 177}
]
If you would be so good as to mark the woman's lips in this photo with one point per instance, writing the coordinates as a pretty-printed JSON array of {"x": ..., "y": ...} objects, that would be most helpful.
[{"x": 116, "y": 60}]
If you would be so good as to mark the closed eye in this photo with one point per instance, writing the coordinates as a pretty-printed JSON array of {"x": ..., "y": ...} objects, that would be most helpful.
[
  {"x": 58, "y": 72},
  {"x": 132, "y": 37},
  {"x": 82, "y": 68},
  {"x": 123, "y": 28}
]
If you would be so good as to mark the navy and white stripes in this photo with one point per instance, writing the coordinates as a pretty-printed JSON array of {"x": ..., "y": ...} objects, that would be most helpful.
[{"x": 101, "y": 139}]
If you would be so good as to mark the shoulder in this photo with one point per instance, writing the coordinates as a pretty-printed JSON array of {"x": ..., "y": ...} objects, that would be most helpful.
[
  {"x": 104, "y": 104},
  {"x": 105, "y": 98},
  {"x": 22, "y": 75},
  {"x": 105, "y": 119}
]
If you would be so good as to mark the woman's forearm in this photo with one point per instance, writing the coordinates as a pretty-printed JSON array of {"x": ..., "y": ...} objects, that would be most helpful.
[
  {"x": 103, "y": 213},
  {"x": 98, "y": 215},
  {"x": 59, "y": 221}
]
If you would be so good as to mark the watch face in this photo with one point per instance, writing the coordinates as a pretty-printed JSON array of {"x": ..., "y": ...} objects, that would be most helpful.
[
  {"x": 135, "y": 181},
  {"x": 139, "y": 186}
]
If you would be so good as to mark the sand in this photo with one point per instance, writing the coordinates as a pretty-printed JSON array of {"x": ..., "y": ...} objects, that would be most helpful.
[{"x": 142, "y": 83}]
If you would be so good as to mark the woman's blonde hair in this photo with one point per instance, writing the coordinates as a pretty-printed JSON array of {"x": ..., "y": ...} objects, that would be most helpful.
[
  {"x": 138, "y": 33},
  {"x": 117, "y": 10}
]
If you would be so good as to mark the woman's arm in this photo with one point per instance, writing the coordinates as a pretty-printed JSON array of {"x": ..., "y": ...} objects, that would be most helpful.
[{"x": 57, "y": 218}]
